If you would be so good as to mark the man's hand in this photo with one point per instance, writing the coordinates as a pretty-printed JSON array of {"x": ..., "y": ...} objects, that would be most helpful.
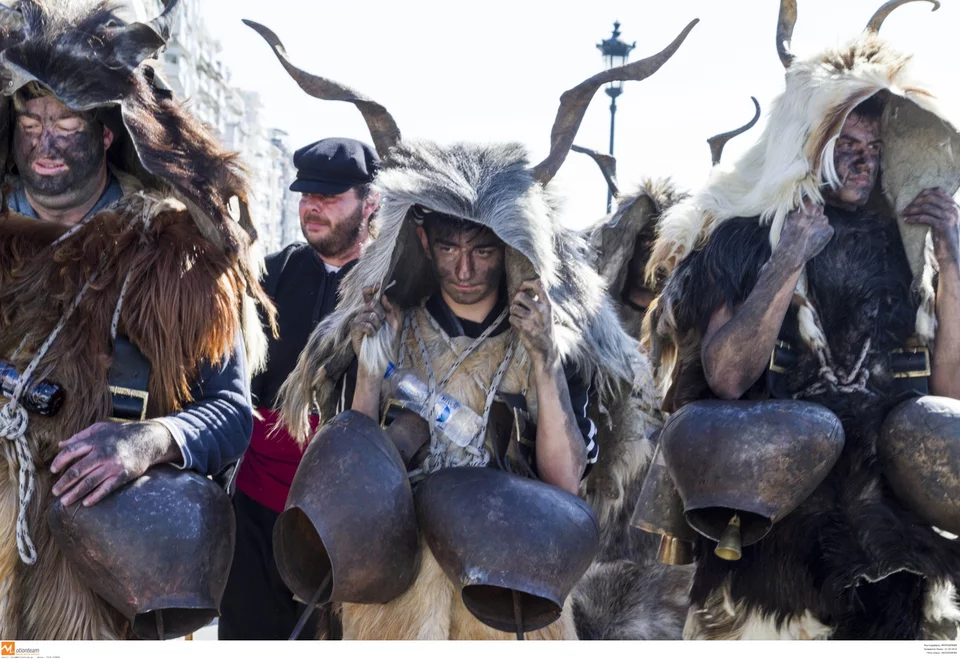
[
  {"x": 531, "y": 314},
  {"x": 806, "y": 231},
  {"x": 371, "y": 317},
  {"x": 107, "y": 456},
  {"x": 934, "y": 208}
]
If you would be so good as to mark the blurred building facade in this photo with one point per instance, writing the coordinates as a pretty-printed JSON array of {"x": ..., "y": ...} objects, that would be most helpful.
[{"x": 193, "y": 67}]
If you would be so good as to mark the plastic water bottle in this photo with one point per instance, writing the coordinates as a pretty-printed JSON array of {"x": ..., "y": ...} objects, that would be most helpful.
[{"x": 457, "y": 422}]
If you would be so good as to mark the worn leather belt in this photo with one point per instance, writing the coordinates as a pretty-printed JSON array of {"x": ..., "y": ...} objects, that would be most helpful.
[
  {"x": 129, "y": 382},
  {"x": 909, "y": 365}
]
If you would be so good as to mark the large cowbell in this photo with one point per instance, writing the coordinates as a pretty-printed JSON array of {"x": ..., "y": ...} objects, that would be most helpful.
[
  {"x": 158, "y": 550},
  {"x": 349, "y": 524},
  {"x": 758, "y": 460},
  {"x": 511, "y": 544}
]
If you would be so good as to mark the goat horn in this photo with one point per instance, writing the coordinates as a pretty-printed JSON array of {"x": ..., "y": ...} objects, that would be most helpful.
[
  {"x": 574, "y": 102},
  {"x": 785, "y": 23},
  {"x": 607, "y": 165},
  {"x": 382, "y": 127},
  {"x": 163, "y": 24},
  {"x": 717, "y": 142},
  {"x": 873, "y": 27}
]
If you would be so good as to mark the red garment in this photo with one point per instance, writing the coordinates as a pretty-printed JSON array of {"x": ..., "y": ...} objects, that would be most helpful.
[{"x": 270, "y": 462}]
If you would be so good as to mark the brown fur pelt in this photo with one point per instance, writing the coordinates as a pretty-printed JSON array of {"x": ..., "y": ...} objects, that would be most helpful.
[
  {"x": 90, "y": 59},
  {"x": 182, "y": 306},
  {"x": 431, "y": 609}
]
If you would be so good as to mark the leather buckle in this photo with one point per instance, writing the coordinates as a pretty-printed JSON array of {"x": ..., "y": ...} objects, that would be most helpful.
[
  {"x": 136, "y": 394},
  {"x": 914, "y": 349},
  {"x": 775, "y": 366}
]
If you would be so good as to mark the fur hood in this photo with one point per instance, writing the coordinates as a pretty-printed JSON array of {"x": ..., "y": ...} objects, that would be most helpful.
[
  {"x": 491, "y": 185},
  {"x": 795, "y": 153},
  {"x": 91, "y": 60}
]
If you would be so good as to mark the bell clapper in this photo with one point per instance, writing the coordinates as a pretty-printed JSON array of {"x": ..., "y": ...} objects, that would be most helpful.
[
  {"x": 311, "y": 605},
  {"x": 160, "y": 632},
  {"x": 729, "y": 546},
  {"x": 518, "y": 615}
]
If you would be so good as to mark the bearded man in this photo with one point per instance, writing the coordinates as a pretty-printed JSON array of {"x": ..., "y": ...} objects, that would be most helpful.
[
  {"x": 333, "y": 177},
  {"x": 801, "y": 287},
  {"x": 126, "y": 283}
]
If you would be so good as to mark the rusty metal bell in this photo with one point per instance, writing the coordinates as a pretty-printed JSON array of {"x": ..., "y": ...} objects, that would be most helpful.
[
  {"x": 349, "y": 515},
  {"x": 158, "y": 550},
  {"x": 659, "y": 510},
  {"x": 755, "y": 459},
  {"x": 496, "y": 534},
  {"x": 919, "y": 450}
]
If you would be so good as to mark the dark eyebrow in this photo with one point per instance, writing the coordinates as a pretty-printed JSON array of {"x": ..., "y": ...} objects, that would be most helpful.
[{"x": 487, "y": 245}]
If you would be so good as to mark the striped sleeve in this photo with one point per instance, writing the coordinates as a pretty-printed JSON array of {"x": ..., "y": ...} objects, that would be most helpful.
[{"x": 580, "y": 401}]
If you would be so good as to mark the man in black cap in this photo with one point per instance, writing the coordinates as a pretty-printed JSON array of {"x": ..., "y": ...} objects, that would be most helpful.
[{"x": 333, "y": 176}]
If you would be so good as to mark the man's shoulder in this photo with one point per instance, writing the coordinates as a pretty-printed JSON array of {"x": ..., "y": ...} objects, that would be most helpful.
[{"x": 285, "y": 254}]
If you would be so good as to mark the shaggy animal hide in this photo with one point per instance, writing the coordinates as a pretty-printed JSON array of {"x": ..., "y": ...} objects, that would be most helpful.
[
  {"x": 795, "y": 154},
  {"x": 851, "y": 561},
  {"x": 614, "y": 238},
  {"x": 182, "y": 306},
  {"x": 91, "y": 60}
]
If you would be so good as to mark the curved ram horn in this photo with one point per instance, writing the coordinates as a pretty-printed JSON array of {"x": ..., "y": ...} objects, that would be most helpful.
[
  {"x": 717, "y": 142},
  {"x": 163, "y": 24},
  {"x": 382, "y": 127},
  {"x": 607, "y": 165},
  {"x": 574, "y": 102},
  {"x": 785, "y": 23},
  {"x": 881, "y": 14}
]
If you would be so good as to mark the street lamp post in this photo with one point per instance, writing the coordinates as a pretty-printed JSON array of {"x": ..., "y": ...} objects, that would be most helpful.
[{"x": 615, "y": 54}]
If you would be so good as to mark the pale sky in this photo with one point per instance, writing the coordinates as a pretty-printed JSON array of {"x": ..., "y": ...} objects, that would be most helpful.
[{"x": 494, "y": 71}]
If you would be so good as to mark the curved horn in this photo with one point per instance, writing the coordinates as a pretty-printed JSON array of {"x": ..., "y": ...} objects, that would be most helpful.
[
  {"x": 607, "y": 165},
  {"x": 163, "y": 24},
  {"x": 574, "y": 102},
  {"x": 717, "y": 142},
  {"x": 873, "y": 27},
  {"x": 382, "y": 127},
  {"x": 785, "y": 23}
]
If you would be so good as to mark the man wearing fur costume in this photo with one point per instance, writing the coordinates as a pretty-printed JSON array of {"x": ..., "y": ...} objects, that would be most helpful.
[
  {"x": 799, "y": 255},
  {"x": 473, "y": 283},
  {"x": 124, "y": 280}
]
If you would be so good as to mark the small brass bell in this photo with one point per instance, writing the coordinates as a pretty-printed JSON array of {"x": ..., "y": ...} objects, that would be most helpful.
[
  {"x": 674, "y": 551},
  {"x": 728, "y": 547}
]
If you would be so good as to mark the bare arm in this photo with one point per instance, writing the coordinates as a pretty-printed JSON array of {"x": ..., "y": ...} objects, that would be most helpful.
[
  {"x": 561, "y": 452},
  {"x": 736, "y": 347},
  {"x": 937, "y": 210}
]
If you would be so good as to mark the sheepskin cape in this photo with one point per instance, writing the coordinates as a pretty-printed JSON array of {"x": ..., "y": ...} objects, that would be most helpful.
[
  {"x": 795, "y": 154},
  {"x": 490, "y": 185},
  {"x": 177, "y": 247}
]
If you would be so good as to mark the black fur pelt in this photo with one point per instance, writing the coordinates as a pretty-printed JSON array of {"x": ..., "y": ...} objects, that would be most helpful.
[
  {"x": 851, "y": 555},
  {"x": 628, "y": 594}
]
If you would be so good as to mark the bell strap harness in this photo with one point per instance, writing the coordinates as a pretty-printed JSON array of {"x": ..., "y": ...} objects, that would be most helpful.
[{"x": 909, "y": 365}]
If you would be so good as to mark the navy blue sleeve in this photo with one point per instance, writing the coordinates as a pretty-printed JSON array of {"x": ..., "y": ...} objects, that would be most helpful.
[{"x": 215, "y": 429}]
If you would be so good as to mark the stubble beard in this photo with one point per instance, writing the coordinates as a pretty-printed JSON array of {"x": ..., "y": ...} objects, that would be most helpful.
[{"x": 342, "y": 237}]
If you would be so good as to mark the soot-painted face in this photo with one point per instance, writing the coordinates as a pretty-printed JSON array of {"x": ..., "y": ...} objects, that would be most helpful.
[
  {"x": 468, "y": 259},
  {"x": 58, "y": 151},
  {"x": 856, "y": 157}
]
